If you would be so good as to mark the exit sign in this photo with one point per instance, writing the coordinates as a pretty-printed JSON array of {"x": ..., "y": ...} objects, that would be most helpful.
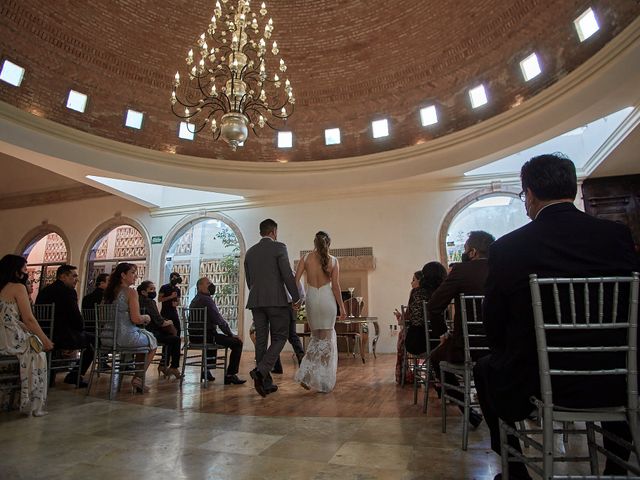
[{"x": 156, "y": 240}]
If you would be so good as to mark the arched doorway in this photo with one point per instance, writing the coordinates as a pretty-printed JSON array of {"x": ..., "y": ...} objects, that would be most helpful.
[
  {"x": 44, "y": 255},
  {"x": 207, "y": 247},
  {"x": 123, "y": 243},
  {"x": 497, "y": 213}
]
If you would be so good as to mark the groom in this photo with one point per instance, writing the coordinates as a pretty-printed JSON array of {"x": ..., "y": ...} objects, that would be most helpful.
[{"x": 267, "y": 271}]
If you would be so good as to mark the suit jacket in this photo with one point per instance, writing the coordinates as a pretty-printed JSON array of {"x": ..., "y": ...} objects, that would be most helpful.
[
  {"x": 214, "y": 318},
  {"x": 267, "y": 272},
  {"x": 560, "y": 242},
  {"x": 68, "y": 322},
  {"x": 468, "y": 278},
  {"x": 90, "y": 300}
]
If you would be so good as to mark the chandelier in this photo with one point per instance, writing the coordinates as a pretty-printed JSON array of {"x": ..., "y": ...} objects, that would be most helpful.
[{"x": 229, "y": 87}]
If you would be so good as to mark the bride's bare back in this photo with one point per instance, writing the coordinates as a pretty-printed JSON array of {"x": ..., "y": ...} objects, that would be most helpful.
[{"x": 316, "y": 277}]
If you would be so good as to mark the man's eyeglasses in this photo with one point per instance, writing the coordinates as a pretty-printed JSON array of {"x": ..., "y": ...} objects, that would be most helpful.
[{"x": 522, "y": 195}]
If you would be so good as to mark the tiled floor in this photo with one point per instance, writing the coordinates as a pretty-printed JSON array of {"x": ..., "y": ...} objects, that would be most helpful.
[{"x": 150, "y": 436}]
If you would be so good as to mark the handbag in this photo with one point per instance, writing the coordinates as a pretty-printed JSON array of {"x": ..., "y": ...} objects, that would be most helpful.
[
  {"x": 170, "y": 330},
  {"x": 36, "y": 344}
]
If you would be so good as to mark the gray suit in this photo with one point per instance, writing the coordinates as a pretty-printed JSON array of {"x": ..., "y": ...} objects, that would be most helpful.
[{"x": 268, "y": 271}]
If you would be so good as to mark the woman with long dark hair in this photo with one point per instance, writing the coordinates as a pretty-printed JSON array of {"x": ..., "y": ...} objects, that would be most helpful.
[
  {"x": 408, "y": 376},
  {"x": 320, "y": 363},
  {"x": 16, "y": 324},
  {"x": 433, "y": 274},
  {"x": 128, "y": 316}
]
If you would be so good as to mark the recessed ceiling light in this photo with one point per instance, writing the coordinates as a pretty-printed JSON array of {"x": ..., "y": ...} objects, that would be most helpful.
[
  {"x": 285, "y": 139},
  {"x": 187, "y": 131},
  {"x": 586, "y": 24},
  {"x": 428, "y": 115},
  {"x": 530, "y": 67},
  {"x": 76, "y": 101},
  {"x": 478, "y": 96},
  {"x": 11, "y": 73},
  {"x": 380, "y": 128},
  {"x": 332, "y": 136}
]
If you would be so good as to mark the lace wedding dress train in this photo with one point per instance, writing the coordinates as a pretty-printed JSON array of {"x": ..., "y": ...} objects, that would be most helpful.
[{"x": 320, "y": 362}]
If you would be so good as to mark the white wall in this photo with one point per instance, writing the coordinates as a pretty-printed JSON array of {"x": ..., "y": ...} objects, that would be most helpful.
[{"x": 401, "y": 228}]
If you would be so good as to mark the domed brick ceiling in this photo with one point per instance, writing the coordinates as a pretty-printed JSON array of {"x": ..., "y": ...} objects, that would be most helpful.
[{"x": 350, "y": 62}]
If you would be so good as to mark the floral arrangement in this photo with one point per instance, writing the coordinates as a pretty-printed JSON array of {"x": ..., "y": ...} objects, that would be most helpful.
[{"x": 301, "y": 315}]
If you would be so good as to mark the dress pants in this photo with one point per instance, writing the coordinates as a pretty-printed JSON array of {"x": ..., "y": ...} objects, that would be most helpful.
[
  {"x": 274, "y": 322},
  {"x": 294, "y": 339},
  {"x": 235, "y": 345},
  {"x": 491, "y": 411}
]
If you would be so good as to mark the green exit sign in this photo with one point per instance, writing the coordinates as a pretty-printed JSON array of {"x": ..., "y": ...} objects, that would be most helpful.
[{"x": 156, "y": 240}]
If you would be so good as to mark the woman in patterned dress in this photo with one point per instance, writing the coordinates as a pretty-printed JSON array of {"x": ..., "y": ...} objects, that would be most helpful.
[{"x": 17, "y": 323}]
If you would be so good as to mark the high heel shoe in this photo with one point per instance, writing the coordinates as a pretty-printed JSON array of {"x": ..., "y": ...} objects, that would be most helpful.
[
  {"x": 136, "y": 385},
  {"x": 173, "y": 371},
  {"x": 162, "y": 370}
]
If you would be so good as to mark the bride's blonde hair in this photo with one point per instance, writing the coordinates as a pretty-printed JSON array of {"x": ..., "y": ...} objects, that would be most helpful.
[{"x": 322, "y": 242}]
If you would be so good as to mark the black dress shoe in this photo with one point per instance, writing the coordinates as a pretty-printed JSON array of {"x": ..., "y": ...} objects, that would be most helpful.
[
  {"x": 258, "y": 382},
  {"x": 271, "y": 389},
  {"x": 210, "y": 377},
  {"x": 277, "y": 369},
  {"x": 517, "y": 471},
  {"x": 475, "y": 419},
  {"x": 72, "y": 379},
  {"x": 233, "y": 380}
]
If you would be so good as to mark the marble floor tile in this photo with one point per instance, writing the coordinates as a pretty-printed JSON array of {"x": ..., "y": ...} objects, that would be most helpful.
[
  {"x": 373, "y": 455},
  {"x": 240, "y": 442}
]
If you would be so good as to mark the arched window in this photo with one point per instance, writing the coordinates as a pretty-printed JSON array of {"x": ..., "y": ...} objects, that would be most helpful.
[
  {"x": 44, "y": 255},
  {"x": 497, "y": 214},
  {"x": 123, "y": 243},
  {"x": 207, "y": 248}
]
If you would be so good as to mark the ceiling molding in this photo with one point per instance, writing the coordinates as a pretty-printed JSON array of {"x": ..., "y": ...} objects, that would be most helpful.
[{"x": 32, "y": 199}]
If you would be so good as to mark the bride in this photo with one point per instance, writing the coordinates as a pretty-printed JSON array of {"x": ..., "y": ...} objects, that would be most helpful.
[{"x": 319, "y": 365}]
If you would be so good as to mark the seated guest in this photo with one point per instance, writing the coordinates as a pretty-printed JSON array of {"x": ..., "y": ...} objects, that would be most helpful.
[
  {"x": 163, "y": 330},
  {"x": 29, "y": 284},
  {"x": 92, "y": 299},
  {"x": 560, "y": 241},
  {"x": 467, "y": 277},
  {"x": 128, "y": 318},
  {"x": 17, "y": 324},
  {"x": 433, "y": 274},
  {"x": 408, "y": 378},
  {"x": 204, "y": 298},
  {"x": 68, "y": 327}
]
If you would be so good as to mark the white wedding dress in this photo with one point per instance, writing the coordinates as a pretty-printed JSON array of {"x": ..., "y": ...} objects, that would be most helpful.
[{"x": 320, "y": 361}]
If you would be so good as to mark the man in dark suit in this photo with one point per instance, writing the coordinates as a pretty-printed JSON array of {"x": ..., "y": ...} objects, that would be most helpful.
[
  {"x": 92, "y": 299},
  {"x": 68, "y": 327},
  {"x": 467, "y": 277},
  {"x": 267, "y": 272},
  {"x": 560, "y": 241}
]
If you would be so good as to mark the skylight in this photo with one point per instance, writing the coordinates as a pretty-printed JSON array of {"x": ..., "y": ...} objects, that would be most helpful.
[
  {"x": 11, "y": 73},
  {"x": 285, "y": 139},
  {"x": 152, "y": 195},
  {"x": 76, "y": 101},
  {"x": 478, "y": 96},
  {"x": 428, "y": 115},
  {"x": 579, "y": 144},
  {"x": 332, "y": 136},
  {"x": 586, "y": 24},
  {"x": 134, "y": 119},
  {"x": 187, "y": 131},
  {"x": 380, "y": 128},
  {"x": 530, "y": 67}
]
